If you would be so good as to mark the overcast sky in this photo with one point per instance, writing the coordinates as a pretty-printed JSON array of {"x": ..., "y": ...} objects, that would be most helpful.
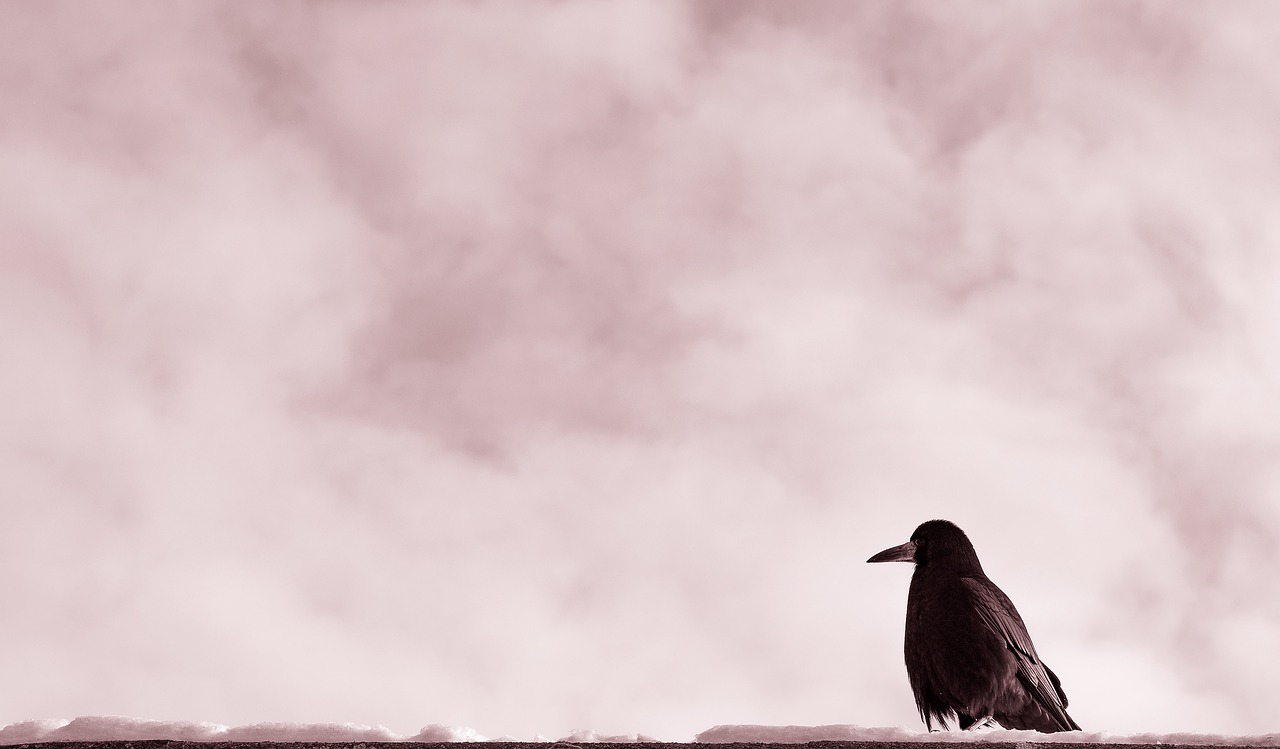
[{"x": 550, "y": 365}]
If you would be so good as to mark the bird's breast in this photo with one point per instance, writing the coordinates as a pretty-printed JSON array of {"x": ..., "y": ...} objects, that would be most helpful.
[{"x": 951, "y": 654}]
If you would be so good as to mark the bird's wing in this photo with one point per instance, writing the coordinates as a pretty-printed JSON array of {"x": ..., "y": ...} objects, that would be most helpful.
[{"x": 1000, "y": 616}]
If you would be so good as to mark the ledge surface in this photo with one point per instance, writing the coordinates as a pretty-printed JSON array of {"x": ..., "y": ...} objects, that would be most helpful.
[{"x": 175, "y": 744}]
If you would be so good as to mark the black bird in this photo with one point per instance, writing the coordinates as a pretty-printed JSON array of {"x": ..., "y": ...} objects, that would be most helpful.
[{"x": 968, "y": 652}]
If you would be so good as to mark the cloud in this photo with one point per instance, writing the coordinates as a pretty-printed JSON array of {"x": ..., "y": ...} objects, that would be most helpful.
[{"x": 497, "y": 353}]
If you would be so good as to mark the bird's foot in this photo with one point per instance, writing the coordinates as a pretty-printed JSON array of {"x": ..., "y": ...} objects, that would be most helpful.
[{"x": 979, "y": 724}]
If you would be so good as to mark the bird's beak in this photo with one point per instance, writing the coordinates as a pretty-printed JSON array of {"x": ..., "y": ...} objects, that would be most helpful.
[{"x": 903, "y": 553}]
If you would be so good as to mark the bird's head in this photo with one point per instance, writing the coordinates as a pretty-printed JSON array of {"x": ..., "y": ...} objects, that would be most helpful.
[{"x": 934, "y": 542}]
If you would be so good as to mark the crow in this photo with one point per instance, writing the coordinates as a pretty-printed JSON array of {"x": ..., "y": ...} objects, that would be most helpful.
[{"x": 968, "y": 653}]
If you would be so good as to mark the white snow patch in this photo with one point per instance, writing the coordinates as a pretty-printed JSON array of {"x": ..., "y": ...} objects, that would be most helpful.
[
  {"x": 591, "y": 737},
  {"x": 113, "y": 728},
  {"x": 116, "y": 728},
  {"x": 316, "y": 732},
  {"x": 29, "y": 730},
  {"x": 437, "y": 733},
  {"x": 103, "y": 727},
  {"x": 803, "y": 734}
]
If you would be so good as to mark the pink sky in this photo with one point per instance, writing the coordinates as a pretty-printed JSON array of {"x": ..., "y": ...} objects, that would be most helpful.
[{"x": 552, "y": 365}]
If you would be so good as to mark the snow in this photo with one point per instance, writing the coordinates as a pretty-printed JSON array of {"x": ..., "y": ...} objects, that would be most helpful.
[
  {"x": 113, "y": 728},
  {"x": 801, "y": 734}
]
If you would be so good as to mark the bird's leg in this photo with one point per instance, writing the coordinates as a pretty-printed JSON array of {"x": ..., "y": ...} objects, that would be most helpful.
[{"x": 972, "y": 724}]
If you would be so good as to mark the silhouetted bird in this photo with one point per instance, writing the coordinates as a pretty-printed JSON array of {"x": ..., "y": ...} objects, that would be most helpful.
[{"x": 968, "y": 652}]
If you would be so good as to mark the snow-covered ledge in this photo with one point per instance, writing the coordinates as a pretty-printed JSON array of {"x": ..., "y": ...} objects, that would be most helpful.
[
  {"x": 860, "y": 735},
  {"x": 104, "y": 732}
]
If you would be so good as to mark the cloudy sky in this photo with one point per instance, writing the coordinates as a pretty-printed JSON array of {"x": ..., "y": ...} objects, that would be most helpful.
[{"x": 551, "y": 365}]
